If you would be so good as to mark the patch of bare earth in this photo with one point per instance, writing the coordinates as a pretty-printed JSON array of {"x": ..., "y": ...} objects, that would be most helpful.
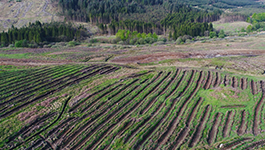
[
  {"x": 31, "y": 62},
  {"x": 147, "y": 58}
]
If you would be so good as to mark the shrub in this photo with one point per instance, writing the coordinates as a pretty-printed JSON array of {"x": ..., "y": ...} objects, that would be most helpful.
[
  {"x": 188, "y": 41},
  {"x": 89, "y": 45},
  {"x": 47, "y": 46},
  {"x": 212, "y": 34},
  {"x": 185, "y": 37},
  {"x": 21, "y": 43},
  {"x": 33, "y": 45},
  {"x": 221, "y": 34},
  {"x": 93, "y": 41},
  {"x": 120, "y": 42},
  {"x": 11, "y": 45},
  {"x": 115, "y": 41},
  {"x": 179, "y": 40},
  {"x": 150, "y": 40},
  {"x": 141, "y": 41},
  {"x": 132, "y": 42},
  {"x": 162, "y": 39},
  {"x": 160, "y": 43},
  {"x": 73, "y": 43}
]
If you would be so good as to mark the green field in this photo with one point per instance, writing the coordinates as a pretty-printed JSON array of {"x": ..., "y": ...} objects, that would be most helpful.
[{"x": 82, "y": 107}]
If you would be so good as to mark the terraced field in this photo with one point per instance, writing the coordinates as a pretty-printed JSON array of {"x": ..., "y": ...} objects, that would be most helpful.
[{"x": 61, "y": 107}]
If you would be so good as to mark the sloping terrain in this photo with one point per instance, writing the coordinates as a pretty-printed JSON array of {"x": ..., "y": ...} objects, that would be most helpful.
[
  {"x": 21, "y": 13},
  {"x": 164, "y": 109}
]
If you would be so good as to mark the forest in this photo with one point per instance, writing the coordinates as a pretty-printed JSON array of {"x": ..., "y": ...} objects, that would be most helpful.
[{"x": 38, "y": 32}]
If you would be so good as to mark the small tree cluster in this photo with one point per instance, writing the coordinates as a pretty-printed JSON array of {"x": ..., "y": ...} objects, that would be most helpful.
[{"x": 132, "y": 38}]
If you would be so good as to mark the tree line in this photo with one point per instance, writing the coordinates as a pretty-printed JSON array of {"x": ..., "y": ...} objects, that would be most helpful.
[
  {"x": 186, "y": 22},
  {"x": 38, "y": 32}
]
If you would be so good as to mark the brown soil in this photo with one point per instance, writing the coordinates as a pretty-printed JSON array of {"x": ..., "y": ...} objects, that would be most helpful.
[
  {"x": 228, "y": 124},
  {"x": 218, "y": 79},
  {"x": 229, "y": 146},
  {"x": 214, "y": 129},
  {"x": 209, "y": 80},
  {"x": 256, "y": 144},
  {"x": 257, "y": 117},
  {"x": 242, "y": 128},
  {"x": 47, "y": 102},
  {"x": 173, "y": 124},
  {"x": 243, "y": 83},
  {"x": 234, "y": 82},
  {"x": 147, "y": 58},
  {"x": 233, "y": 106},
  {"x": 31, "y": 62},
  {"x": 226, "y": 80},
  {"x": 196, "y": 137},
  {"x": 25, "y": 115},
  {"x": 186, "y": 130},
  {"x": 150, "y": 104},
  {"x": 254, "y": 87}
]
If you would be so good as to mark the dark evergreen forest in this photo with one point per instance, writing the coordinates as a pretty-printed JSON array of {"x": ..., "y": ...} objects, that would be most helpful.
[
  {"x": 38, "y": 32},
  {"x": 143, "y": 16}
]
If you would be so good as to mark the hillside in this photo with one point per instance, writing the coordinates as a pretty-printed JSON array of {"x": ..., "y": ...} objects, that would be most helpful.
[
  {"x": 21, "y": 13},
  {"x": 132, "y": 75},
  {"x": 192, "y": 96}
]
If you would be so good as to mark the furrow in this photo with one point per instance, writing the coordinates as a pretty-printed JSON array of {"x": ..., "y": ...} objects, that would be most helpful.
[
  {"x": 120, "y": 119},
  {"x": 257, "y": 117},
  {"x": 197, "y": 135},
  {"x": 228, "y": 122},
  {"x": 184, "y": 133},
  {"x": 87, "y": 125},
  {"x": 213, "y": 132},
  {"x": 243, "y": 126},
  {"x": 164, "y": 138}
]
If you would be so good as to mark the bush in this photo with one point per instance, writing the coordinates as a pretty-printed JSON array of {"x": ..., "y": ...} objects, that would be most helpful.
[
  {"x": 141, "y": 41},
  {"x": 212, "y": 34},
  {"x": 89, "y": 45},
  {"x": 179, "y": 40},
  {"x": 133, "y": 41},
  {"x": 73, "y": 43},
  {"x": 120, "y": 42},
  {"x": 185, "y": 37},
  {"x": 11, "y": 45},
  {"x": 115, "y": 41},
  {"x": 162, "y": 39},
  {"x": 188, "y": 41},
  {"x": 21, "y": 43},
  {"x": 47, "y": 46},
  {"x": 160, "y": 43},
  {"x": 93, "y": 40},
  {"x": 33, "y": 45},
  {"x": 150, "y": 40}
]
